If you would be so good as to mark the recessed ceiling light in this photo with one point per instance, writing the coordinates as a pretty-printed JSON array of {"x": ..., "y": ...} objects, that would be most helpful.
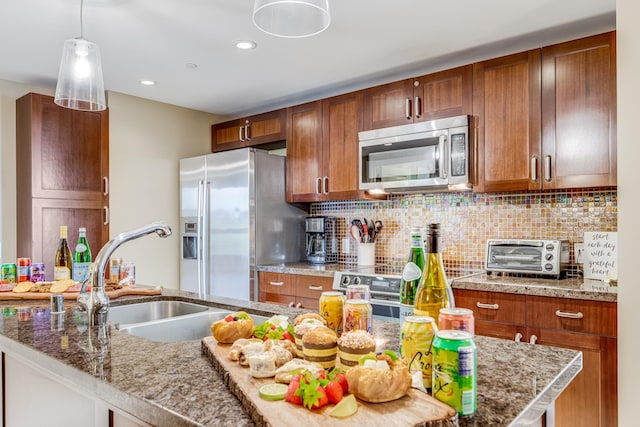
[
  {"x": 191, "y": 65},
  {"x": 147, "y": 82},
  {"x": 246, "y": 44}
]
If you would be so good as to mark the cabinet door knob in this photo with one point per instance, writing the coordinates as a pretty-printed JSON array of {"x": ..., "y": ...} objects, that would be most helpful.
[
  {"x": 567, "y": 315},
  {"x": 518, "y": 337},
  {"x": 487, "y": 306},
  {"x": 276, "y": 283},
  {"x": 533, "y": 339}
]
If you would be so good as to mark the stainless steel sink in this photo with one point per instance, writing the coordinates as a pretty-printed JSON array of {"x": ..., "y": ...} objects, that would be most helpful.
[
  {"x": 153, "y": 310},
  {"x": 168, "y": 321},
  {"x": 182, "y": 328}
]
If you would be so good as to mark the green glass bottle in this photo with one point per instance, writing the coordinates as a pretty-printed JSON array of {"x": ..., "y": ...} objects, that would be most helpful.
[
  {"x": 81, "y": 257},
  {"x": 434, "y": 291},
  {"x": 412, "y": 273}
]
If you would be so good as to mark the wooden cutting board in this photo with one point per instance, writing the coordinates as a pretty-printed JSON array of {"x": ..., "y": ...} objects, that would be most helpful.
[
  {"x": 13, "y": 296},
  {"x": 414, "y": 409}
]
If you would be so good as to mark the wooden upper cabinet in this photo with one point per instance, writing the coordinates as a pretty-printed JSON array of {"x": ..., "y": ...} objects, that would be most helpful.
[
  {"x": 579, "y": 113},
  {"x": 255, "y": 130},
  {"x": 341, "y": 122},
  {"x": 322, "y": 149},
  {"x": 304, "y": 153},
  {"x": 62, "y": 164},
  {"x": 388, "y": 105},
  {"x": 444, "y": 94},
  {"x": 506, "y": 106}
]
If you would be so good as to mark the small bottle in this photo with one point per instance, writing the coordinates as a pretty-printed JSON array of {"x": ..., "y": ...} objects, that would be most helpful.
[
  {"x": 434, "y": 291},
  {"x": 412, "y": 273},
  {"x": 62, "y": 263},
  {"x": 81, "y": 257}
]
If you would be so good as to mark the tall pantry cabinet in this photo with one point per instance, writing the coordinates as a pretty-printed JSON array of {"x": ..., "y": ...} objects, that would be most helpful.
[{"x": 62, "y": 167}]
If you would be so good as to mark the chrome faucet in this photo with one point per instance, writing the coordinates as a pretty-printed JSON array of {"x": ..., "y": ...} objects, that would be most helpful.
[{"x": 96, "y": 301}]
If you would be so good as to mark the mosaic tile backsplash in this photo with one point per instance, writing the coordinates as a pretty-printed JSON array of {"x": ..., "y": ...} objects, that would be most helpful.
[{"x": 468, "y": 220}]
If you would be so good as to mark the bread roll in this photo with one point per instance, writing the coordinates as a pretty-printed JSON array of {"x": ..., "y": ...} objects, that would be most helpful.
[
  {"x": 376, "y": 386},
  {"x": 228, "y": 331}
]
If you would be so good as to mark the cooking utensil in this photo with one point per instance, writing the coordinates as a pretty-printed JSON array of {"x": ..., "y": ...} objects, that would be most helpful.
[
  {"x": 377, "y": 227},
  {"x": 366, "y": 231},
  {"x": 358, "y": 224},
  {"x": 372, "y": 230},
  {"x": 355, "y": 233}
]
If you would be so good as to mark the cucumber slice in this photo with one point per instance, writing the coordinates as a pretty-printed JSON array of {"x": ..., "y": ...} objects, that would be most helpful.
[{"x": 273, "y": 391}]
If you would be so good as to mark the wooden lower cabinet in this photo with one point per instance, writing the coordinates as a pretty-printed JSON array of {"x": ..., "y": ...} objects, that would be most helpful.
[
  {"x": 587, "y": 326},
  {"x": 293, "y": 290}
]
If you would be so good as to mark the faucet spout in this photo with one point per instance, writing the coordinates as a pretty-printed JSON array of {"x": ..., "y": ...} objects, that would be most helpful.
[{"x": 96, "y": 300}]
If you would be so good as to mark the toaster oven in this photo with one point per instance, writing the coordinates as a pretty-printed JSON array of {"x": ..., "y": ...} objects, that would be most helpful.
[{"x": 544, "y": 257}]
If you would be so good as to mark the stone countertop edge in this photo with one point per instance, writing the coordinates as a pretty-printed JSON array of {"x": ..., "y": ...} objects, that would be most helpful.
[{"x": 573, "y": 288}]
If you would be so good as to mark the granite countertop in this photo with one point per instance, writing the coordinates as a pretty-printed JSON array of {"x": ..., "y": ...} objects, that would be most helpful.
[
  {"x": 173, "y": 384},
  {"x": 576, "y": 288}
]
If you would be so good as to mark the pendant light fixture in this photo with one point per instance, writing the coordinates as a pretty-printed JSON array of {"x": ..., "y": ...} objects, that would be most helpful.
[
  {"x": 80, "y": 84},
  {"x": 291, "y": 18}
]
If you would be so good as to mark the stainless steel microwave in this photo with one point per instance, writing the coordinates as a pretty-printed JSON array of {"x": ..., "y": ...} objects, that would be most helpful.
[{"x": 426, "y": 156}]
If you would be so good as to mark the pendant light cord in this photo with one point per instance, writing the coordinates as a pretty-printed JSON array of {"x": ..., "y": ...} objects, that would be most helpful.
[{"x": 81, "y": 24}]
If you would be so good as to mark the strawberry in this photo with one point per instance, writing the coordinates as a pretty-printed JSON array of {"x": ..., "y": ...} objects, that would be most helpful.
[
  {"x": 229, "y": 318},
  {"x": 292, "y": 395},
  {"x": 322, "y": 398},
  {"x": 334, "y": 391},
  {"x": 342, "y": 380}
]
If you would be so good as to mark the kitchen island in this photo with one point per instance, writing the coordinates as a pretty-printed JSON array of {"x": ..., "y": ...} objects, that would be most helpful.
[{"x": 172, "y": 384}]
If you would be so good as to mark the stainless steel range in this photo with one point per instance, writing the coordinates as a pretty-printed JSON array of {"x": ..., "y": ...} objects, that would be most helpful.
[{"x": 385, "y": 291}]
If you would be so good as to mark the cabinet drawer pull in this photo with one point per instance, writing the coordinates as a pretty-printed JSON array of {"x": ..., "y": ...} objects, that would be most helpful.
[
  {"x": 105, "y": 181},
  {"x": 290, "y": 305},
  {"x": 418, "y": 107},
  {"x": 533, "y": 339},
  {"x": 407, "y": 108},
  {"x": 276, "y": 283},
  {"x": 247, "y": 132},
  {"x": 318, "y": 185},
  {"x": 106, "y": 215},
  {"x": 299, "y": 305},
  {"x": 240, "y": 137},
  {"x": 518, "y": 337},
  {"x": 325, "y": 185},
  {"x": 577, "y": 315},
  {"x": 487, "y": 306},
  {"x": 315, "y": 288}
]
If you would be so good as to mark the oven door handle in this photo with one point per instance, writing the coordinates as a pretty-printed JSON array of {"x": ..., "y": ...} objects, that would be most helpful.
[{"x": 374, "y": 301}]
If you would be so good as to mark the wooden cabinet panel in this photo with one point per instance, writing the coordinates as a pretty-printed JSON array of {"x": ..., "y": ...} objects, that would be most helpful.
[
  {"x": 590, "y": 399},
  {"x": 444, "y": 94},
  {"x": 293, "y": 289},
  {"x": 505, "y": 331},
  {"x": 62, "y": 176},
  {"x": 492, "y": 306},
  {"x": 342, "y": 120},
  {"x": 312, "y": 286},
  {"x": 304, "y": 153},
  {"x": 579, "y": 112},
  {"x": 506, "y": 96},
  {"x": 276, "y": 283},
  {"x": 250, "y": 131},
  {"x": 388, "y": 105},
  {"x": 591, "y": 317}
]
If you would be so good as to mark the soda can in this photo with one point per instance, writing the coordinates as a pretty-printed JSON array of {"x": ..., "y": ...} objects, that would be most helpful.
[
  {"x": 454, "y": 370},
  {"x": 37, "y": 272},
  {"x": 460, "y": 319},
  {"x": 331, "y": 309},
  {"x": 359, "y": 292},
  {"x": 128, "y": 274},
  {"x": 417, "y": 336},
  {"x": 9, "y": 273},
  {"x": 358, "y": 314},
  {"x": 114, "y": 269},
  {"x": 24, "y": 269}
]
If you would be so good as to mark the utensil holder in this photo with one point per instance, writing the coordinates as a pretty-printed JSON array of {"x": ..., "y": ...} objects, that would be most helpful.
[{"x": 366, "y": 254}]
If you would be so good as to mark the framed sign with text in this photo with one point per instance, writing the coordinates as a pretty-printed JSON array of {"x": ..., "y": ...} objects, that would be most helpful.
[{"x": 600, "y": 255}]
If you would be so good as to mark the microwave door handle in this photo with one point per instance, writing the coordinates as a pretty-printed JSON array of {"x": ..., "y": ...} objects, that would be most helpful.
[{"x": 442, "y": 164}]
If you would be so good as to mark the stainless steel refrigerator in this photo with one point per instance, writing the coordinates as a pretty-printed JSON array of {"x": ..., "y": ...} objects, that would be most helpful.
[{"x": 234, "y": 217}]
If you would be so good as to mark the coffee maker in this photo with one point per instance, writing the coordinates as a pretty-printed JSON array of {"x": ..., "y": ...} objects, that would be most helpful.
[{"x": 322, "y": 239}]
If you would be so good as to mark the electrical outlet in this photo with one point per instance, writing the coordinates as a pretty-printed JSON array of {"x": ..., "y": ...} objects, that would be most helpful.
[
  {"x": 346, "y": 245},
  {"x": 578, "y": 252}
]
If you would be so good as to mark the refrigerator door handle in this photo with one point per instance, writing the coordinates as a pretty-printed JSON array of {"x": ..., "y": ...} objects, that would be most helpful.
[
  {"x": 202, "y": 286},
  {"x": 200, "y": 242}
]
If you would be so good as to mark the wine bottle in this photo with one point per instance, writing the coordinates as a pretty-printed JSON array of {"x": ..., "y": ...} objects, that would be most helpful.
[
  {"x": 81, "y": 257},
  {"x": 434, "y": 291},
  {"x": 62, "y": 263},
  {"x": 412, "y": 273}
]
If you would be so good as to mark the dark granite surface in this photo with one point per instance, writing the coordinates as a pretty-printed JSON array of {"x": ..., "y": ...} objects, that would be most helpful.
[
  {"x": 172, "y": 384},
  {"x": 576, "y": 288}
]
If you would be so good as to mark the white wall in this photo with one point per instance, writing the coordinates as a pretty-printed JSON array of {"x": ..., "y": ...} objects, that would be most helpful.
[
  {"x": 146, "y": 141},
  {"x": 628, "y": 40}
]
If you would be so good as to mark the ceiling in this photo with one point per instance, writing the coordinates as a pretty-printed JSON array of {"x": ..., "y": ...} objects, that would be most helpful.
[{"x": 368, "y": 42}]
